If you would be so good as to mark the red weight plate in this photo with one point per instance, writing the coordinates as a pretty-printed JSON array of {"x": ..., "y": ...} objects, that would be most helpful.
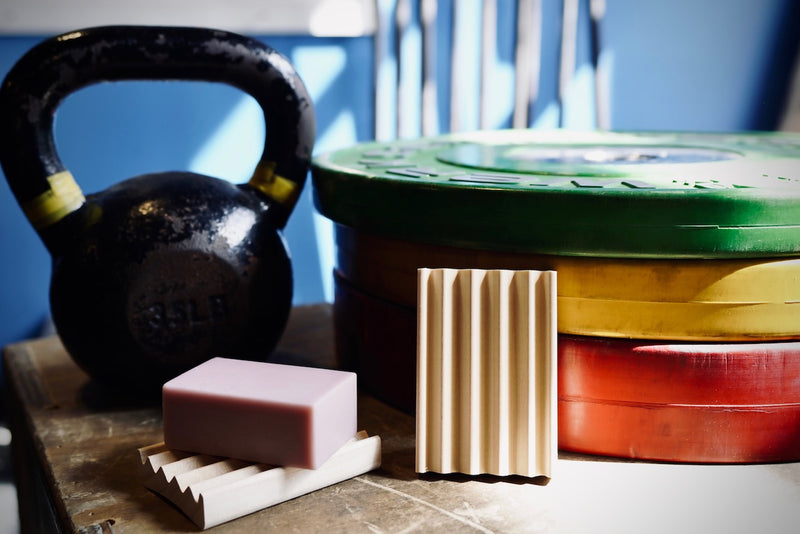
[
  {"x": 605, "y": 369},
  {"x": 716, "y": 403},
  {"x": 680, "y": 433}
]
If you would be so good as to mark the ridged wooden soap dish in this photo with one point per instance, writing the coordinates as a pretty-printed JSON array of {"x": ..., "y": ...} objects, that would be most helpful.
[{"x": 212, "y": 490}]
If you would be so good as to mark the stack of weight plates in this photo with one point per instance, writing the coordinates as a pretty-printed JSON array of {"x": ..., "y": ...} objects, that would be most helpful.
[{"x": 678, "y": 261}]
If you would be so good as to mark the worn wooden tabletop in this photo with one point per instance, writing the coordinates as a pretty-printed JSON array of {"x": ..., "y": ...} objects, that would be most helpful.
[{"x": 83, "y": 444}]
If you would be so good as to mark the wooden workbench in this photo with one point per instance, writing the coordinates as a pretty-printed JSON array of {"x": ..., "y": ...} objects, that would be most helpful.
[{"x": 75, "y": 459}]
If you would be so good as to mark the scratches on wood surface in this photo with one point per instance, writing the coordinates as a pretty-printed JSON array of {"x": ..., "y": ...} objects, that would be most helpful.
[{"x": 423, "y": 502}]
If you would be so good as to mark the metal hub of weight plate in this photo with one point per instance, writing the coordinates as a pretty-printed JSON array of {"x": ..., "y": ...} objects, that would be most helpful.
[{"x": 616, "y": 195}]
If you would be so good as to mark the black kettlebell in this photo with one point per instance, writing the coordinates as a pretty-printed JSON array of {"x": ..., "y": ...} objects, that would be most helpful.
[{"x": 160, "y": 272}]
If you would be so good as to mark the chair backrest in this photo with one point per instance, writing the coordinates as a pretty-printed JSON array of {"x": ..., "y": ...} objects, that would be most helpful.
[{"x": 456, "y": 66}]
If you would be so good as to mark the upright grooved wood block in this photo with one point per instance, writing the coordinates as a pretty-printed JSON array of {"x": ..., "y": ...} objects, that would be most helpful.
[{"x": 486, "y": 372}]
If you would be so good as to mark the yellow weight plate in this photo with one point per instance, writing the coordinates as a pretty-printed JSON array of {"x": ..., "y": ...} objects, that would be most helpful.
[
  {"x": 684, "y": 321},
  {"x": 730, "y": 300}
]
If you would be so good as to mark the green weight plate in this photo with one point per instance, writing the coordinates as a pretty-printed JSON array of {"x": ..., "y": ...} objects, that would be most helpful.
[{"x": 648, "y": 195}]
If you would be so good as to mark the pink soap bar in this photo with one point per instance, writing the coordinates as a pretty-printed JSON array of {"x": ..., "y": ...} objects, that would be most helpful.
[{"x": 276, "y": 414}]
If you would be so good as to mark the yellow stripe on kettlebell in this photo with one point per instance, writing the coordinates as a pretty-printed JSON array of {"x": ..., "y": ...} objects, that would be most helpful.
[
  {"x": 274, "y": 185},
  {"x": 63, "y": 197}
]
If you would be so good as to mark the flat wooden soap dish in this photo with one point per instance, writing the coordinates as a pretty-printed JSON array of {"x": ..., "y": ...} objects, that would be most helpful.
[{"x": 212, "y": 490}]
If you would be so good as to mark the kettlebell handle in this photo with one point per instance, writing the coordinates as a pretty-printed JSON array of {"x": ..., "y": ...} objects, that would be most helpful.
[{"x": 58, "y": 66}]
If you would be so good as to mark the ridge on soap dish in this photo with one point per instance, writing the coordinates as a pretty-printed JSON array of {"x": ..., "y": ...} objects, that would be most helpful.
[{"x": 212, "y": 490}]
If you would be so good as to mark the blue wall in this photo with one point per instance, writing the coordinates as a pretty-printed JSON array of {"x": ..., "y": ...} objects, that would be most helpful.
[
  {"x": 685, "y": 65},
  {"x": 701, "y": 65}
]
